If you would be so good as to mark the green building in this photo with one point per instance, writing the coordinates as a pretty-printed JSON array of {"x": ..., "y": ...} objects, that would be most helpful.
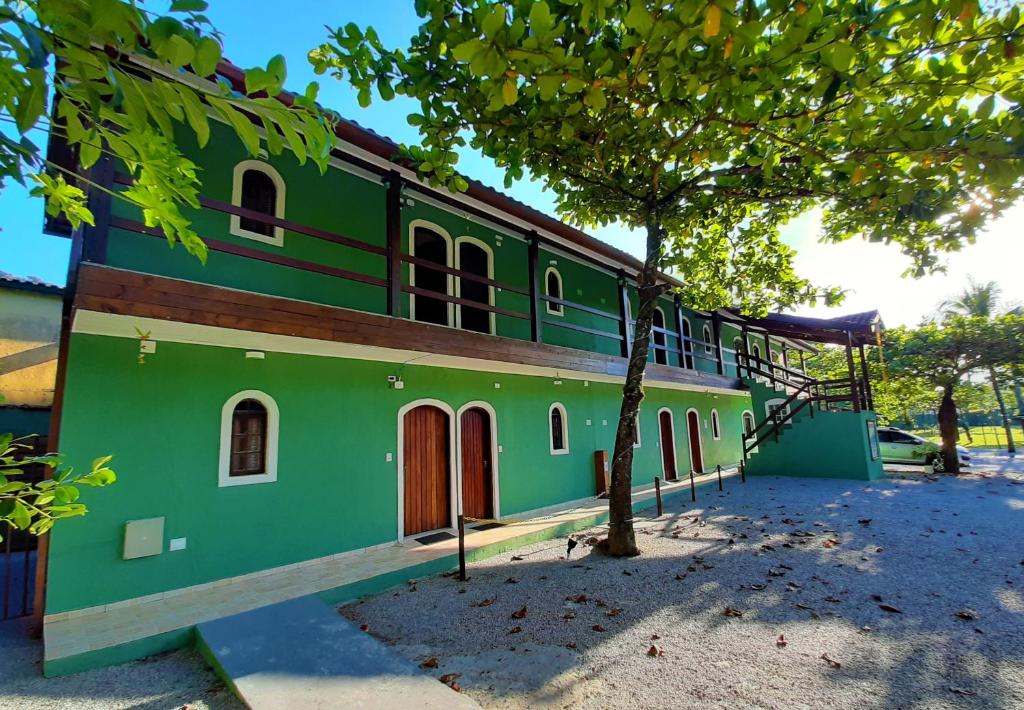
[{"x": 364, "y": 358}]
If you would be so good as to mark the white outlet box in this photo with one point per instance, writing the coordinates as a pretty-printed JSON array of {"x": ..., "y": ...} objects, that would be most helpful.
[
  {"x": 388, "y": 457},
  {"x": 147, "y": 346},
  {"x": 589, "y": 422},
  {"x": 177, "y": 543}
]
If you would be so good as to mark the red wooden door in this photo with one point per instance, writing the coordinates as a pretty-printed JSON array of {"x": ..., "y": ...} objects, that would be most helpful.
[
  {"x": 668, "y": 447},
  {"x": 427, "y": 477},
  {"x": 477, "y": 484},
  {"x": 693, "y": 431}
]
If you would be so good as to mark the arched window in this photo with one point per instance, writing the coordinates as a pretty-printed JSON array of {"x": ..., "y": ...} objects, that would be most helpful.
[
  {"x": 553, "y": 288},
  {"x": 748, "y": 423},
  {"x": 707, "y": 340},
  {"x": 259, "y": 188},
  {"x": 687, "y": 345},
  {"x": 474, "y": 257},
  {"x": 430, "y": 243},
  {"x": 248, "y": 439},
  {"x": 558, "y": 427},
  {"x": 716, "y": 425},
  {"x": 660, "y": 353}
]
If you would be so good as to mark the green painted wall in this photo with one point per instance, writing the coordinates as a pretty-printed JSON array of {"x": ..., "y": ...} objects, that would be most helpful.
[
  {"x": 831, "y": 445},
  {"x": 335, "y": 491}
]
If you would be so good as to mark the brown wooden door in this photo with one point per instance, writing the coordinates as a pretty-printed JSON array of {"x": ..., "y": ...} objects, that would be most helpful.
[
  {"x": 693, "y": 432},
  {"x": 668, "y": 447},
  {"x": 477, "y": 483},
  {"x": 427, "y": 470}
]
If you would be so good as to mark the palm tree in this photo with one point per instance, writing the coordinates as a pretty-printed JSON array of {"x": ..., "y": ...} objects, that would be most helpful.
[{"x": 983, "y": 299}]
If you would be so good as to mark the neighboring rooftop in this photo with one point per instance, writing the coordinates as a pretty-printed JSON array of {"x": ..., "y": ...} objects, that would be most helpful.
[{"x": 28, "y": 283}]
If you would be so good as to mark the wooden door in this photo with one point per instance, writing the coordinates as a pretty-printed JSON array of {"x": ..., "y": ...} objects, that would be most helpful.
[
  {"x": 693, "y": 432},
  {"x": 477, "y": 479},
  {"x": 427, "y": 470},
  {"x": 668, "y": 446}
]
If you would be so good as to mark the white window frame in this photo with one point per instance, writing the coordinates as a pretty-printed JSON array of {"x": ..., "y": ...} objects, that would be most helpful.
[
  {"x": 706, "y": 335},
  {"x": 449, "y": 279},
  {"x": 664, "y": 338},
  {"x": 716, "y": 425},
  {"x": 277, "y": 238},
  {"x": 743, "y": 424},
  {"x": 565, "y": 429},
  {"x": 686, "y": 336},
  {"x": 458, "y": 280},
  {"x": 554, "y": 309},
  {"x": 224, "y": 477}
]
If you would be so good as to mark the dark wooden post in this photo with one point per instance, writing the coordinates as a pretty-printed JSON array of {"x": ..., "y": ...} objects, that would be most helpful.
[
  {"x": 869, "y": 400},
  {"x": 716, "y": 331},
  {"x": 854, "y": 389},
  {"x": 533, "y": 258},
  {"x": 768, "y": 355},
  {"x": 625, "y": 327},
  {"x": 393, "y": 226},
  {"x": 745, "y": 335},
  {"x": 657, "y": 495},
  {"x": 678, "y": 307},
  {"x": 94, "y": 238}
]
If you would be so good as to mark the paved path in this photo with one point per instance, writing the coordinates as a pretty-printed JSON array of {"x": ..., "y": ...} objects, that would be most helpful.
[{"x": 302, "y": 654}]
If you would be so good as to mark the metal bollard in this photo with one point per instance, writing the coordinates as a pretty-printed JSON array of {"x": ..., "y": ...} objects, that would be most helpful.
[
  {"x": 718, "y": 468},
  {"x": 462, "y": 548},
  {"x": 657, "y": 493},
  {"x": 693, "y": 488}
]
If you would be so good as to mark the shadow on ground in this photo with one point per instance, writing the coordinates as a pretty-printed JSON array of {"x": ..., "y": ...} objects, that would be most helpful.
[{"x": 811, "y": 560}]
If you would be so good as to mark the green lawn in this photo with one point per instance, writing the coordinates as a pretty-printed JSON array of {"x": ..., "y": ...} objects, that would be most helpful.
[{"x": 983, "y": 436}]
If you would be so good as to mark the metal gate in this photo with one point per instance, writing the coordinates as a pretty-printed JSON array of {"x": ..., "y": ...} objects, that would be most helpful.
[{"x": 18, "y": 553}]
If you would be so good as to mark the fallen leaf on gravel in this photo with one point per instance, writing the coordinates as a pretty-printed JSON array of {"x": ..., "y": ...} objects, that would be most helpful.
[
  {"x": 729, "y": 611},
  {"x": 449, "y": 677},
  {"x": 655, "y": 637},
  {"x": 966, "y": 615},
  {"x": 364, "y": 627},
  {"x": 520, "y": 614},
  {"x": 579, "y": 599},
  {"x": 961, "y": 691},
  {"x": 485, "y": 602},
  {"x": 598, "y": 602},
  {"x": 792, "y": 586},
  {"x": 781, "y": 641},
  {"x": 757, "y": 587},
  {"x": 833, "y": 600},
  {"x": 614, "y": 611},
  {"x": 517, "y": 558},
  {"x": 515, "y": 629},
  {"x": 831, "y": 542},
  {"x": 831, "y": 662},
  {"x": 877, "y": 597},
  {"x": 890, "y": 608},
  {"x": 431, "y": 662},
  {"x": 655, "y": 652},
  {"x": 776, "y": 573},
  {"x": 569, "y": 615},
  {"x": 511, "y": 580},
  {"x": 571, "y": 644},
  {"x": 680, "y": 577},
  {"x": 865, "y": 521},
  {"x": 597, "y": 627},
  {"x": 627, "y": 573}
]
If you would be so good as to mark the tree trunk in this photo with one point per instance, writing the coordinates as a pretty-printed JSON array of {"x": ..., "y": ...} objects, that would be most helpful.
[
  {"x": 1010, "y": 448},
  {"x": 948, "y": 428},
  {"x": 621, "y": 540}
]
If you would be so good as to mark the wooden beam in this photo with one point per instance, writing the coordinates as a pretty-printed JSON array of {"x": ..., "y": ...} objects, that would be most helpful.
[
  {"x": 624, "y": 324},
  {"x": 532, "y": 259},
  {"x": 393, "y": 226},
  {"x": 854, "y": 390},
  {"x": 94, "y": 244},
  {"x": 868, "y": 396}
]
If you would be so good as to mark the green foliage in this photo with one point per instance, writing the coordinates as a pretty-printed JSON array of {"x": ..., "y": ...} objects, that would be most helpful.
[
  {"x": 37, "y": 506},
  {"x": 125, "y": 81},
  {"x": 720, "y": 121}
]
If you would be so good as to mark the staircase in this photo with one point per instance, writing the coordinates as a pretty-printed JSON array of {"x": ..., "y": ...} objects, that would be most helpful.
[{"x": 810, "y": 427}]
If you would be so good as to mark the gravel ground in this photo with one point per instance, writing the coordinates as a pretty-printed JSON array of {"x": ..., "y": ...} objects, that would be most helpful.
[
  {"x": 171, "y": 680},
  {"x": 848, "y": 595}
]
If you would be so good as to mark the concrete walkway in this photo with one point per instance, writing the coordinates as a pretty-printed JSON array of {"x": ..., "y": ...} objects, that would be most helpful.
[
  {"x": 302, "y": 654},
  {"x": 122, "y": 631}
]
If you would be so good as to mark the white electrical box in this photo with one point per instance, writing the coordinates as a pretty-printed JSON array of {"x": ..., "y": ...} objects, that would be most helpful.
[
  {"x": 177, "y": 543},
  {"x": 147, "y": 346},
  {"x": 143, "y": 538}
]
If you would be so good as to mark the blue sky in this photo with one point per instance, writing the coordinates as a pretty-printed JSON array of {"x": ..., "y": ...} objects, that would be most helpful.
[{"x": 255, "y": 30}]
